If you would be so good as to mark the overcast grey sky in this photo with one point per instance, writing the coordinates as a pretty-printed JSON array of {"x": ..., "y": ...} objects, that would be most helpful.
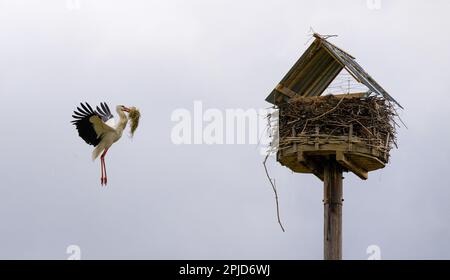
[{"x": 167, "y": 201}]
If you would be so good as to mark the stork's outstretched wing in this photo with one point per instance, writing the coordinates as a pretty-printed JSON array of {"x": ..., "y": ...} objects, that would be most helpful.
[
  {"x": 104, "y": 112},
  {"x": 91, "y": 124}
]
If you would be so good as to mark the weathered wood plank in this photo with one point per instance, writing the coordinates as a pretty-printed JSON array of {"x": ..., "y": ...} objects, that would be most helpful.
[
  {"x": 332, "y": 210},
  {"x": 286, "y": 91},
  {"x": 315, "y": 168},
  {"x": 344, "y": 161}
]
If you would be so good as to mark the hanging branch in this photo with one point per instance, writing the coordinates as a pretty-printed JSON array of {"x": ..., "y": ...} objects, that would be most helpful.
[{"x": 272, "y": 183}]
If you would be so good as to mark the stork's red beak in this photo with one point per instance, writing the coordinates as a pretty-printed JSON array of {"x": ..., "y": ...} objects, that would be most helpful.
[{"x": 125, "y": 109}]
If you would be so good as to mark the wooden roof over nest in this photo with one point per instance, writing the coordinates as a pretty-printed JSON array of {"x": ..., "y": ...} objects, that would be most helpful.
[{"x": 317, "y": 68}]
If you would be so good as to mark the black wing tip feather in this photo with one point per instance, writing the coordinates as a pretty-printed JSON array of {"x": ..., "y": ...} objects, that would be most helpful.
[
  {"x": 81, "y": 118},
  {"x": 85, "y": 110},
  {"x": 85, "y": 129},
  {"x": 105, "y": 107},
  {"x": 104, "y": 111}
]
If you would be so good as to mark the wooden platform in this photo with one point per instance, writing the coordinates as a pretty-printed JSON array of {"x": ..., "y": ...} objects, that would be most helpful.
[{"x": 306, "y": 154}]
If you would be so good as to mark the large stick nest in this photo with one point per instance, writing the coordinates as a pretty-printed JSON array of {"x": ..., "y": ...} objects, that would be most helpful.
[{"x": 372, "y": 118}]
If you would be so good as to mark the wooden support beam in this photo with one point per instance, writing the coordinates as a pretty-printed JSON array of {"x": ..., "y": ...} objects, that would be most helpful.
[
  {"x": 350, "y": 95},
  {"x": 374, "y": 159},
  {"x": 316, "y": 144},
  {"x": 332, "y": 200},
  {"x": 286, "y": 91},
  {"x": 347, "y": 163},
  {"x": 339, "y": 95},
  {"x": 315, "y": 168}
]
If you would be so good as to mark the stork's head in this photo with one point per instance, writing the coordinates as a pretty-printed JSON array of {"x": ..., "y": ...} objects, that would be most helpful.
[{"x": 125, "y": 109}]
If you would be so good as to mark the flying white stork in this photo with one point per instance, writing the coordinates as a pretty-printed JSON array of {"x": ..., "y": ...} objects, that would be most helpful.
[{"x": 96, "y": 128}]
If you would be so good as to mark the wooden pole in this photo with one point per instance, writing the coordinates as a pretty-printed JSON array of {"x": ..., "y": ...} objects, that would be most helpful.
[{"x": 332, "y": 210}]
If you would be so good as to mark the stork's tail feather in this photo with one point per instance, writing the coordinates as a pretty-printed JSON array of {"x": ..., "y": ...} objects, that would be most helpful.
[{"x": 97, "y": 151}]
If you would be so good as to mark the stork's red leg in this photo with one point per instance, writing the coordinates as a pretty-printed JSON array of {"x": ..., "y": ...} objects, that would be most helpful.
[
  {"x": 104, "y": 170},
  {"x": 101, "y": 167},
  {"x": 104, "y": 179}
]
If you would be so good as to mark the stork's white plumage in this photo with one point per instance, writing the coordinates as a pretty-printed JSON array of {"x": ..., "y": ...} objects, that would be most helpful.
[{"x": 96, "y": 128}]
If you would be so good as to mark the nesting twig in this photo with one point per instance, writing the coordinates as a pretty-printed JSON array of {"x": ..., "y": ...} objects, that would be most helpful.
[
  {"x": 134, "y": 116},
  {"x": 318, "y": 117}
]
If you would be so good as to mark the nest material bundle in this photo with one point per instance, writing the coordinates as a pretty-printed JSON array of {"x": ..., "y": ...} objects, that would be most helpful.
[
  {"x": 372, "y": 119},
  {"x": 134, "y": 116}
]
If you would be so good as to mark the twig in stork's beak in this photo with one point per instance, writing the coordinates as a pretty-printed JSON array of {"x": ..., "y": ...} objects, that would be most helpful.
[
  {"x": 134, "y": 116},
  {"x": 125, "y": 109}
]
